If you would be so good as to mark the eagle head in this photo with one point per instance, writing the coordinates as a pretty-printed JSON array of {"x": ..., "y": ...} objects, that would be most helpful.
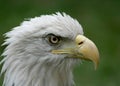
[{"x": 43, "y": 50}]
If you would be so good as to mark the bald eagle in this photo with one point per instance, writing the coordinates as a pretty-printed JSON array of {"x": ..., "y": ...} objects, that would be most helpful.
[{"x": 42, "y": 51}]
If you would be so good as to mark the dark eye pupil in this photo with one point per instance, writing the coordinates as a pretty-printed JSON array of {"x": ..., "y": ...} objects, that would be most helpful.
[{"x": 54, "y": 39}]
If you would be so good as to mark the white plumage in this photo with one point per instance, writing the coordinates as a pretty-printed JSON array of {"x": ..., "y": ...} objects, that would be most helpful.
[{"x": 28, "y": 59}]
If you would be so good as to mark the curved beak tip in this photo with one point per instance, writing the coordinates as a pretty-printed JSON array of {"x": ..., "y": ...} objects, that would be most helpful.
[
  {"x": 96, "y": 63},
  {"x": 83, "y": 49},
  {"x": 88, "y": 49}
]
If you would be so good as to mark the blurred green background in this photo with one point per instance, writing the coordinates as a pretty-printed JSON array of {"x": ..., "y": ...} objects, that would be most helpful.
[{"x": 100, "y": 20}]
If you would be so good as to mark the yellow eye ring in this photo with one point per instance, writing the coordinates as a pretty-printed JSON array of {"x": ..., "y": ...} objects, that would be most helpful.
[{"x": 53, "y": 39}]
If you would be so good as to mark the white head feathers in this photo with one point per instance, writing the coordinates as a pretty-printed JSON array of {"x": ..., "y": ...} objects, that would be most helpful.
[{"x": 27, "y": 59}]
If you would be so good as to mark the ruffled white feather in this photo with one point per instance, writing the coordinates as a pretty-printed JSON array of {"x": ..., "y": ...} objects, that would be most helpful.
[{"x": 26, "y": 62}]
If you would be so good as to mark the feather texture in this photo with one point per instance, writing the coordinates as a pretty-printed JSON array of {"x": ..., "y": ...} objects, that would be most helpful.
[{"x": 28, "y": 61}]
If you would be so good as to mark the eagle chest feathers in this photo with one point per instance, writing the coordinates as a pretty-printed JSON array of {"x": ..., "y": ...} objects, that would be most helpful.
[{"x": 44, "y": 50}]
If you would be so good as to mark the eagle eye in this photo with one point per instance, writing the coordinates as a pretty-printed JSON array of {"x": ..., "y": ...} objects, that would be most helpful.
[{"x": 53, "y": 39}]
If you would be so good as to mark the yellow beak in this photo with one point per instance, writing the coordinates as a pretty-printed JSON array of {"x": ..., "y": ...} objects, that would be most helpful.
[{"x": 82, "y": 48}]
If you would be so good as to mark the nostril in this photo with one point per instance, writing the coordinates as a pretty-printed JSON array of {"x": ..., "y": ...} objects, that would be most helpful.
[{"x": 80, "y": 43}]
